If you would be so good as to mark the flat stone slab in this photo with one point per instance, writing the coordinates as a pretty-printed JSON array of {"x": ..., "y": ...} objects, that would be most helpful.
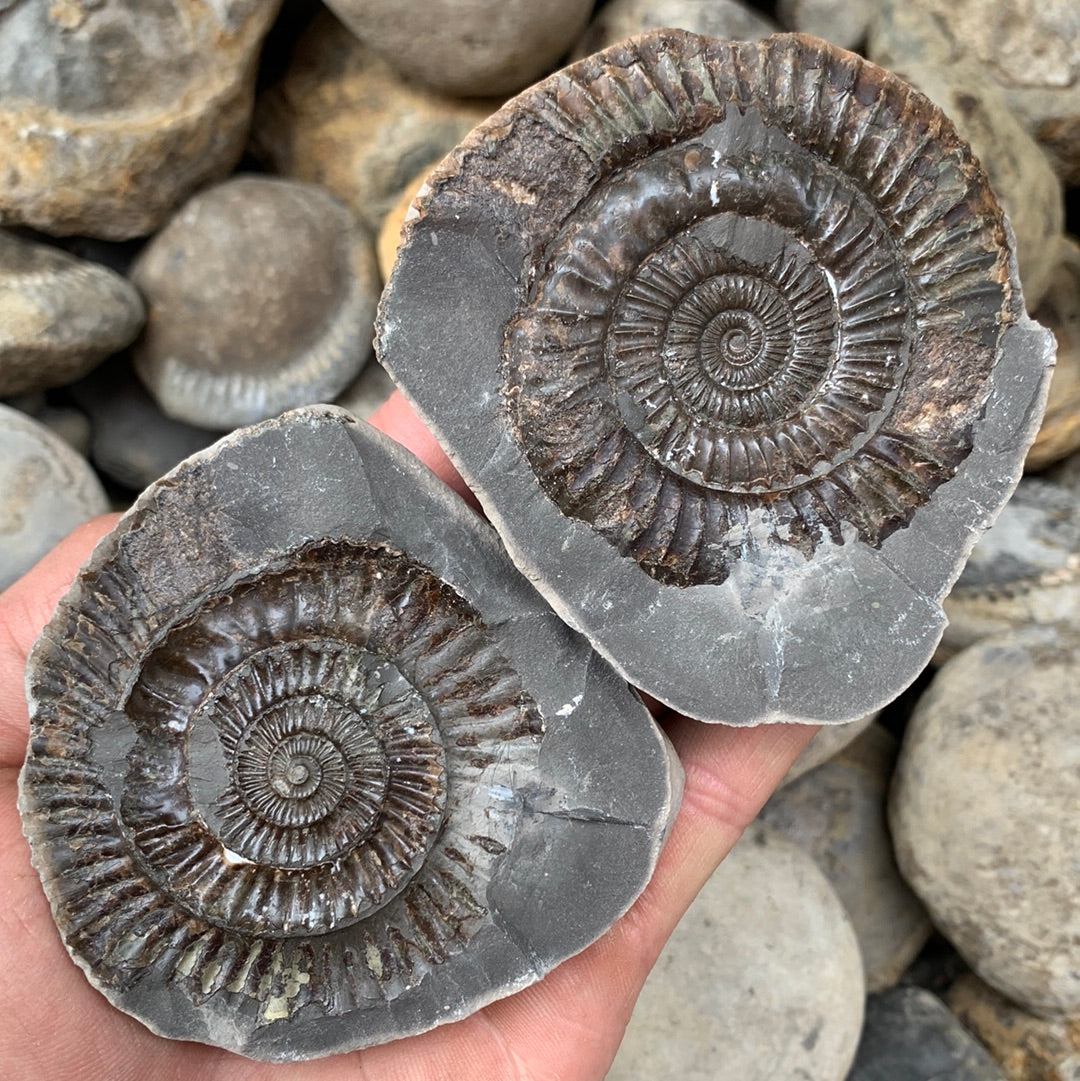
[
  {"x": 735, "y": 358},
  {"x": 311, "y": 765}
]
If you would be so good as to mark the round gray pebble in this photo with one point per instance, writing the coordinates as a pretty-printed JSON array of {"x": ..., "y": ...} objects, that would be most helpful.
[
  {"x": 983, "y": 812},
  {"x": 761, "y": 981},
  {"x": 46, "y": 490},
  {"x": 262, "y": 296}
]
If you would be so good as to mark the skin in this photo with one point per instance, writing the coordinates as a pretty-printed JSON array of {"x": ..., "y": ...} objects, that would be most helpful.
[{"x": 565, "y": 1028}]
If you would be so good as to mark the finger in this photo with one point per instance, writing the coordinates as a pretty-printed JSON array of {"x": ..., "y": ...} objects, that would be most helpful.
[
  {"x": 397, "y": 419},
  {"x": 25, "y": 607}
]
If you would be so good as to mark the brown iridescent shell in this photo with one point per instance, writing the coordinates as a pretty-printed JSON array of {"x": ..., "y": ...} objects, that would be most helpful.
[
  {"x": 734, "y": 312},
  {"x": 307, "y": 773}
]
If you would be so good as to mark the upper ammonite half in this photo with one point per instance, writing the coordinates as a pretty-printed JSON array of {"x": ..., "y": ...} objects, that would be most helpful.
[{"x": 728, "y": 338}]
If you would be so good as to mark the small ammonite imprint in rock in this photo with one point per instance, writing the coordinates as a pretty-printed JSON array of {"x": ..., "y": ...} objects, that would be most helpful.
[
  {"x": 735, "y": 338},
  {"x": 309, "y": 746}
]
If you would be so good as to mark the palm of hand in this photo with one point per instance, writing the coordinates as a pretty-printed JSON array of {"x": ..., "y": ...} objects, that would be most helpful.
[{"x": 567, "y": 1027}]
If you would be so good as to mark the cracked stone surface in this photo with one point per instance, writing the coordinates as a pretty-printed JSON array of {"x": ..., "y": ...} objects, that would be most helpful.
[
  {"x": 747, "y": 474},
  {"x": 910, "y": 1035},
  {"x": 983, "y": 812},
  {"x": 46, "y": 490},
  {"x": 761, "y": 979},
  {"x": 336, "y": 762}
]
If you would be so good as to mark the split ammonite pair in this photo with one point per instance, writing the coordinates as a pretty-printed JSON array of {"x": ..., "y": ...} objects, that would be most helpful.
[{"x": 728, "y": 340}]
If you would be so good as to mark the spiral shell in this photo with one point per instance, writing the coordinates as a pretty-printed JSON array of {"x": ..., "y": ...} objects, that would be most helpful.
[
  {"x": 749, "y": 302},
  {"x": 275, "y": 792}
]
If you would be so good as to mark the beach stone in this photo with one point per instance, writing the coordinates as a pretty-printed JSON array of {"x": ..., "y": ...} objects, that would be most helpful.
[
  {"x": 59, "y": 316},
  {"x": 911, "y": 1036},
  {"x": 468, "y": 48},
  {"x": 131, "y": 441},
  {"x": 342, "y": 118},
  {"x": 761, "y": 979},
  {"x": 843, "y": 22},
  {"x": 1029, "y": 48},
  {"x": 983, "y": 812},
  {"x": 113, "y": 112},
  {"x": 1059, "y": 434},
  {"x": 261, "y": 294},
  {"x": 1026, "y": 1048},
  {"x": 620, "y": 19},
  {"x": 1025, "y": 569},
  {"x": 837, "y": 815},
  {"x": 1019, "y": 170},
  {"x": 46, "y": 490},
  {"x": 830, "y": 740}
]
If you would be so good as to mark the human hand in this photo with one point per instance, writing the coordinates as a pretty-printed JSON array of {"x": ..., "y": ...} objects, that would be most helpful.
[{"x": 567, "y": 1027}]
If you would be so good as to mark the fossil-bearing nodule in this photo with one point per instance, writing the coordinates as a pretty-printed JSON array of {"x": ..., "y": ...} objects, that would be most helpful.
[
  {"x": 312, "y": 767},
  {"x": 728, "y": 339}
]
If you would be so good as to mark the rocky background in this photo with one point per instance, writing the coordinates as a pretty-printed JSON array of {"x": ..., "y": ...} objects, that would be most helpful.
[{"x": 200, "y": 204}]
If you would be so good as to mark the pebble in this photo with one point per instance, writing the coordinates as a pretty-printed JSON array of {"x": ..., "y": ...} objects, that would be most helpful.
[
  {"x": 132, "y": 442},
  {"x": 342, "y": 118},
  {"x": 830, "y": 740},
  {"x": 59, "y": 316},
  {"x": 113, "y": 112},
  {"x": 46, "y": 491},
  {"x": 1026, "y": 1048},
  {"x": 1029, "y": 48},
  {"x": 761, "y": 980},
  {"x": 837, "y": 815},
  {"x": 843, "y": 22},
  {"x": 911, "y": 1036},
  {"x": 1059, "y": 434},
  {"x": 620, "y": 19},
  {"x": 983, "y": 812},
  {"x": 468, "y": 48},
  {"x": 1025, "y": 569},
  {"x": 261, "y": 295}
]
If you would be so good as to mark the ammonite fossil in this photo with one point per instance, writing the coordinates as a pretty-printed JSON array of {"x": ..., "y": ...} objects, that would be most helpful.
[
  {"x": 307, "y": 773},
  {"x": 728, "y": 339}
]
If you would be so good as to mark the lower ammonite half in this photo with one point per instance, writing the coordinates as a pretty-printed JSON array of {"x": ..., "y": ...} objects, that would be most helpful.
[{"x": 300, "y": 784}]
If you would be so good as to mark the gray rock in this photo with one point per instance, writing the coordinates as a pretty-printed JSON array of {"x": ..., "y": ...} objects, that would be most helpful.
[
  {"x": 761, "y": 979},
  {"x": 131, "y": 441},
  {"x": 638, "y": 275},
  {"x": 983, "y": 812},
  {"x": 1027, "y": 1048},
  {"x": 843, "y": 22},
  {"x": 59, "y": 316},
  {"x": 113, "y": 112},
  {"x": 620, "y": 19},
  {"x": 261, "y": 293},
  {"x": 386, "y": 763},
  {"x": 837, "y": 815},
  {"x": 1025, "y": 569},
  {"x": 911, "y": 1036},
  {"x": 829, "y": 740},
  {"x": 1029, "y": 48},
  {"x": 342, "y": 118},
  {"x": 468, "y": 48},
  {"x": 46, "y": 490}
]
